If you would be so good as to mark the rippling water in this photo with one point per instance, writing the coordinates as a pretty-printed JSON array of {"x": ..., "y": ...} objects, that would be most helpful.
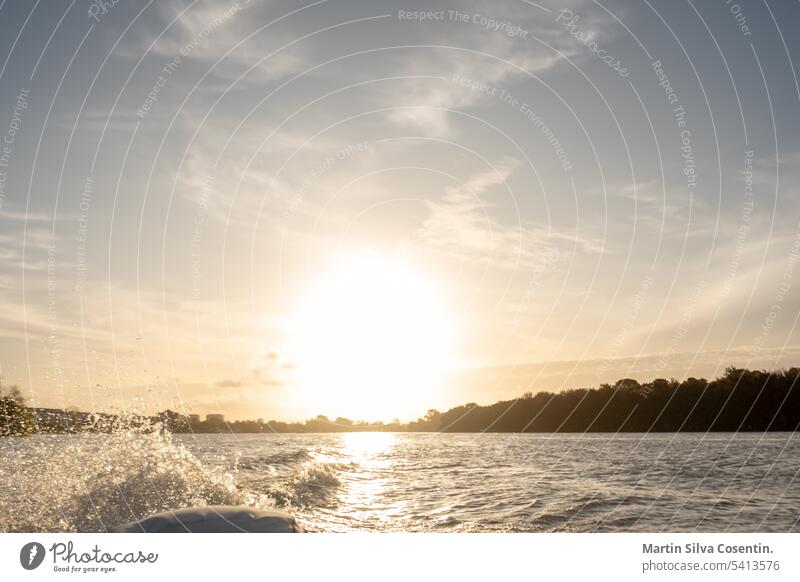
[{"x": 411, "y": 482}]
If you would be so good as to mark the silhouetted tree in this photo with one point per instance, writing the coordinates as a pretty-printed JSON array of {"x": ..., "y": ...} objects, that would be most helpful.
[
  {"x": 740, "y": 400},
  {"x": 15, "y": 418}
]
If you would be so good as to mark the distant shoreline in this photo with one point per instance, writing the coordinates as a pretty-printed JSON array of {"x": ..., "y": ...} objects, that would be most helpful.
[
  {"x": 271, "y": 433},
  {"x": 739, "y": 401}
]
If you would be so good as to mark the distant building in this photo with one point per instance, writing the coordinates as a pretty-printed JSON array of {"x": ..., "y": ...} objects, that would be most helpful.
[
  {"x": 215, "y": 418},
  {"x": 193, "y": 418}
]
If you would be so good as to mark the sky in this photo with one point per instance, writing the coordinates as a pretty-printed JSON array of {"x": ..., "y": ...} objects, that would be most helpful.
[{"x": 274, "y": 209}]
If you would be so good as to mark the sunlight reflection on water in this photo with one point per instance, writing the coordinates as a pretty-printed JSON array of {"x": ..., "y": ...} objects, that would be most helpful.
[{"x": 411, "y": 482}]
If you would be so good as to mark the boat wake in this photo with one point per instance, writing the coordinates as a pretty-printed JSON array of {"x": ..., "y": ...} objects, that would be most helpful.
[
  {"x": 92, "y": 483},
  {"x": 314, "y": 484}
]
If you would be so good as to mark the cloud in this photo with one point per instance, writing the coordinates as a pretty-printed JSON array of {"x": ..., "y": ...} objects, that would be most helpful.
[
  {"x": 463, "y": 225},
  {"x": 30, "y": 249},
  {"x": 188, "y": 30},
  {"x": 32, "y": 216},
  {"x": 228, "y": 384},
  {"x": 468, "y": 51},
  {"x": 425, "y": 103},
  {"x": 238, "y": 32},
  {"x": 270, "y": 369}
]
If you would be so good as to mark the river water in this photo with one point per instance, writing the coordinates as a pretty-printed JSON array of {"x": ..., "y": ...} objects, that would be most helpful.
[{"x": 411, "y": 482}]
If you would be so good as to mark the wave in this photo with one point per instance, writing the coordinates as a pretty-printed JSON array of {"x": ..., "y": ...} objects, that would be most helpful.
[
  {"x": 287, "y": 458},
  {"x": 314, "y": 484},
  {"x": 90, "y": 483}
]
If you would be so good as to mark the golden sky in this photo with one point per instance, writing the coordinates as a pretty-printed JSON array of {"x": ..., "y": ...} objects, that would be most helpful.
[{"x": 350, "y": 208}]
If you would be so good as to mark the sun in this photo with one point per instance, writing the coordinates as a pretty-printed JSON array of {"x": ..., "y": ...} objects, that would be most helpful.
[{"x": 371, "y": 339}]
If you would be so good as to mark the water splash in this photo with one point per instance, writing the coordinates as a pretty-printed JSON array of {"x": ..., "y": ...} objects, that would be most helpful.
[
  {"x": 89, "y": 483},
  {"x": 314, "y": 484}
]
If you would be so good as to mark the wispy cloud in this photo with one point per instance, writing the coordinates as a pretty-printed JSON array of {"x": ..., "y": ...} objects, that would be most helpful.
[{"x": 463, "y": 224}]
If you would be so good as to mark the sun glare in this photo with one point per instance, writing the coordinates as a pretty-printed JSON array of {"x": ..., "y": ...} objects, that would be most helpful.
[{"x": 371, "y": 339}]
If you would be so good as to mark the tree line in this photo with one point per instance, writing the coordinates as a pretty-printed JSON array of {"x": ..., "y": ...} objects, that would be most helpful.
[{"x": 739, "y": 400}]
